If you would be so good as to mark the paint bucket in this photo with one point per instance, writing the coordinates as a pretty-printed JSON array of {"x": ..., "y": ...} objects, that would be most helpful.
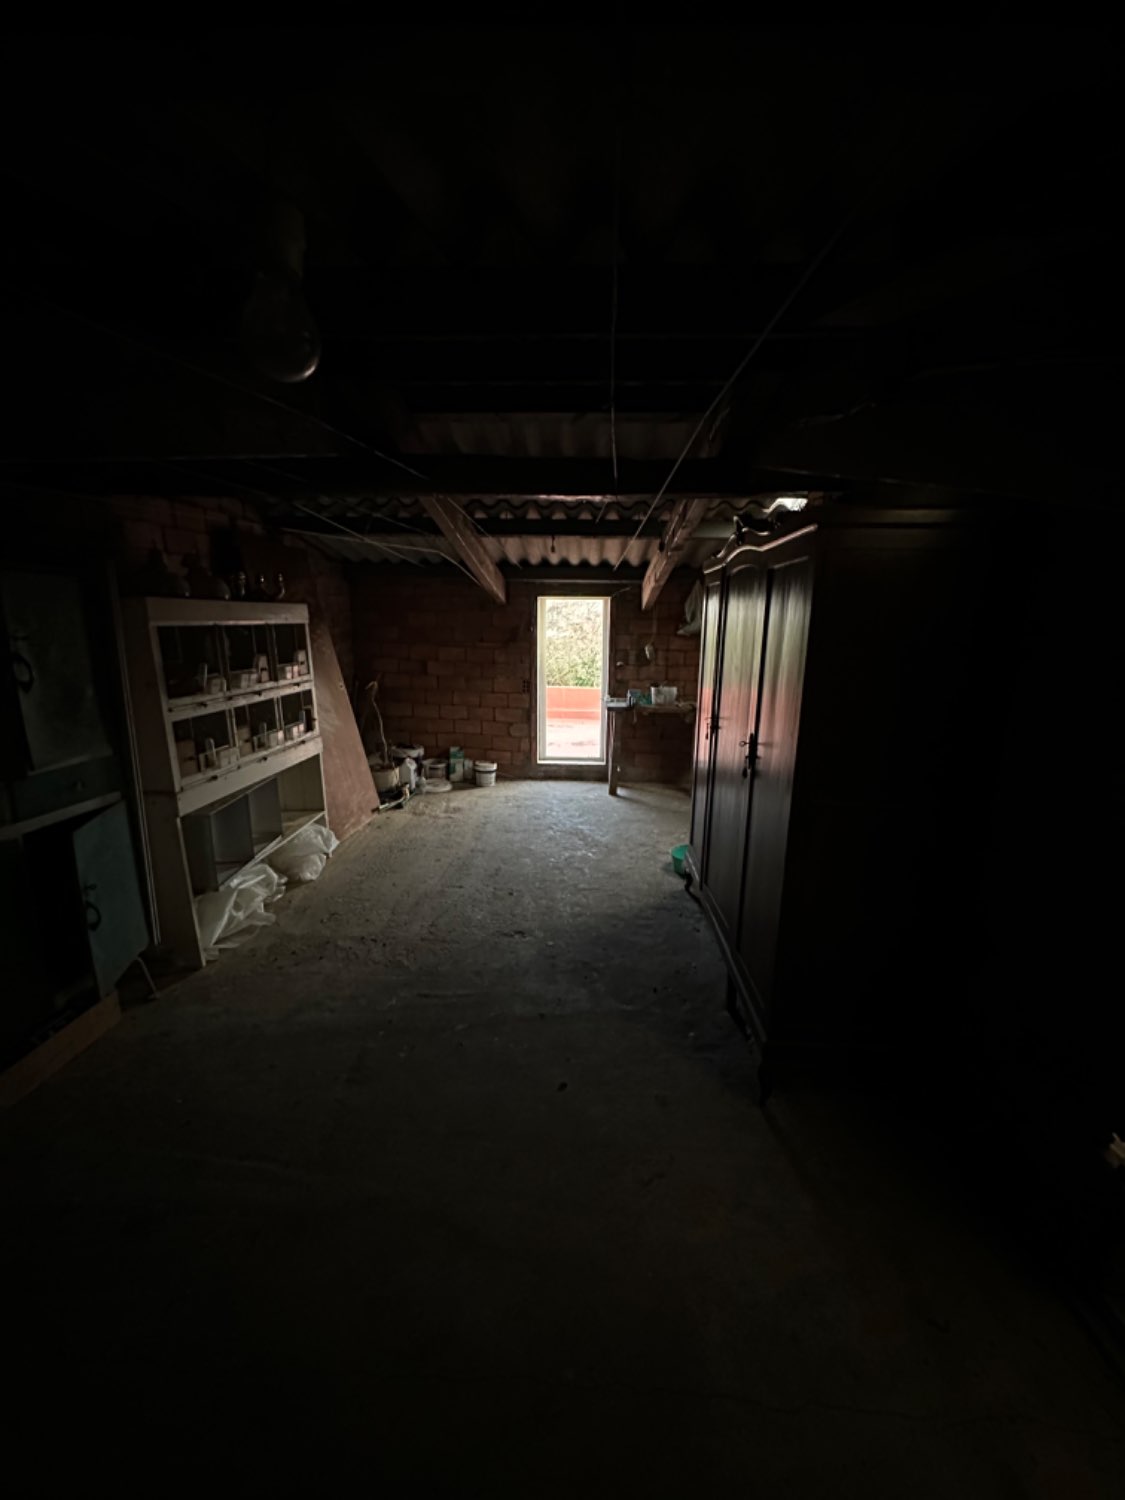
[
  {"x": 385, "y": 779},
  {"x": 434, "y": 769},
  {"x": 408, "y": 759},
  {"x": 486, "y": 772}
]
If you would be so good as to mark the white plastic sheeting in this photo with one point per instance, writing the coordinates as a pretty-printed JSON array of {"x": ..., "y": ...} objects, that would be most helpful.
[
  {"x": 225, "y": 917},
  {"x": 305, "y": 855}
]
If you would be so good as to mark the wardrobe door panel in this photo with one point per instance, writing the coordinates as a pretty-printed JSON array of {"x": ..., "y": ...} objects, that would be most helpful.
[
  {"x": 705, "y": 726},
  {"x": 783, "y": 669},
  {"x": 739, "y": 671},
  {"x": 51, "y": 664}
]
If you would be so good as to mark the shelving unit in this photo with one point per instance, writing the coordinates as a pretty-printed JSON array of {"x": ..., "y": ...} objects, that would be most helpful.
[{"x": 224, "y": 701}]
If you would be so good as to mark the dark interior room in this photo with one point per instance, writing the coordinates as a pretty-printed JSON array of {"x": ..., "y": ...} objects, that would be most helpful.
[{"x": 558, "y": 806}]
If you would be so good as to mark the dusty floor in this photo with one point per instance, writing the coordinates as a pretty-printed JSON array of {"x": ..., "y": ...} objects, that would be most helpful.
[{"x": 450, "y": 1180}]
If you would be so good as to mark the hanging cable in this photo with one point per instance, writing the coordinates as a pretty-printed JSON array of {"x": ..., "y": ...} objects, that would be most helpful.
[
  {"x": 380, "y": 516},
  {"x": 234, "y": 385},
  {"x": 372, "y": 690},
  {"x": 246, "y": 390},
  {"x": 802, "y": 281},
  {"x": 387, "y": 546},
  {"x": 615, "y": 253}
]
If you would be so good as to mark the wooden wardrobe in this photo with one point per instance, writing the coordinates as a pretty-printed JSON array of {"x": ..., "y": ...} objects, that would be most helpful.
[{"x": 842, "y": 788}]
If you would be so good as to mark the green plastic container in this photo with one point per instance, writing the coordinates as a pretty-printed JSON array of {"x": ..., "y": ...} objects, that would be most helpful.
[{"x": 679, "y": 853}]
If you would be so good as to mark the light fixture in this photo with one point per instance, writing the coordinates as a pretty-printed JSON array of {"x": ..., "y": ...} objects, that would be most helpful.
[
  {"x": 761, "y": 510},
  {"x": 278, "y": 332},
  {"x": 764, "y": 517}
]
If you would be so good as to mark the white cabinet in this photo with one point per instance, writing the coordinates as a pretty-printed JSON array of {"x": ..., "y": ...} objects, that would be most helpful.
[{"x": 224, "y": 705}]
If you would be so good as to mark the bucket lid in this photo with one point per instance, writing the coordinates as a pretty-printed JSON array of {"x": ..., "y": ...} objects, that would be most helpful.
[{"x": 408, "y": 752}]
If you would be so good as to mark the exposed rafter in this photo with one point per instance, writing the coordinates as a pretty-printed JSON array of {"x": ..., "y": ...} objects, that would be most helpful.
[
  {"x": 681, "y": 524},
  {"x": 471, "y": 547}
]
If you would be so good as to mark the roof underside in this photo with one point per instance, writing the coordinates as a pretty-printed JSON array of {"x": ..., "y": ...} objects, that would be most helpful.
[
  {"x": 560, "y": 272},
  {"x": 515, "y": 551},
  {"x": 519, "y": 532}
]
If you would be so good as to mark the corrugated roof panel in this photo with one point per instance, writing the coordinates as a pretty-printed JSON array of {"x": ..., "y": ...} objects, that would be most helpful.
[
  {"x": 593, "y": 551},
  {"x": 361, "y": 510}
]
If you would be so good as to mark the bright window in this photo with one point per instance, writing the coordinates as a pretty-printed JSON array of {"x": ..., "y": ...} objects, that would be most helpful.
[{"x": 573, "y": 659}]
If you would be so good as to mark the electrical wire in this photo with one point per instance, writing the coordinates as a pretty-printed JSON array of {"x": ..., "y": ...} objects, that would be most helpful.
[
  {"x": 232, "y": 384},
  {"x": 373, "y": 690},
  {"x": 386, "y": 546},
  {"x": 258, "y": 463},
  {"x": 396, "y": 549},
  {"x": 615, "y": 251},
  {"x": 791, "y": 297},
  {"x": 246, "y": 390}
]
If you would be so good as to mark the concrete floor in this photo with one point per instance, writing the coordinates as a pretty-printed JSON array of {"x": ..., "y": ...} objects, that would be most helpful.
[
  {"x": 450, "y": 1181},
  {"x": 573, "y": 739}
]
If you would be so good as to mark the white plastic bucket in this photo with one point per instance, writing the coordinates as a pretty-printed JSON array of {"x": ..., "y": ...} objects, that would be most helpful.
[
  {"x": 385, "y": 780},
  {"x": 434, "y": 769},
  {"x": 486, "y": 772}
]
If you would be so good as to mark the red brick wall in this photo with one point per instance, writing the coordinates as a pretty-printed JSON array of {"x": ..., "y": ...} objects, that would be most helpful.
[
  {"x": 454, "y": 668},
  {"x": 655, "y": 747},
  {"x": 175, "y": 528},
  {"x": 179, "y": 527}
]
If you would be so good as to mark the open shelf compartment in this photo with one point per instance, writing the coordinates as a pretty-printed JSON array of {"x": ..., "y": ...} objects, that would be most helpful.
[
  {"x": 301, "y": 789},
  {"x": 250, "y": 657},
  {"x": 218, "y": 842},
  {"x": 291, "y": 647},
  {"x": 204, "y": 744},
  {"x": 192, "y": 660},
  {"x": 298, "y": 716},
  {"x": 225, "y": 836}
]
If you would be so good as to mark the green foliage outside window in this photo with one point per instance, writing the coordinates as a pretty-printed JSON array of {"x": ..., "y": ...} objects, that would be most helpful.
[{"x": 572, "y": 646}]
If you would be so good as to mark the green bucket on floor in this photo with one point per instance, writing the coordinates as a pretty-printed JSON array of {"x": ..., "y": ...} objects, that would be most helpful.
[{"x": 678, "y": 855}]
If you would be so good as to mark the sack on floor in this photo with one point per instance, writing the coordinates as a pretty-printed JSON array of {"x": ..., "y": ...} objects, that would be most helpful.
[
  {"x": 226, "y": 916},
  {"x": 303, "y": 858}
]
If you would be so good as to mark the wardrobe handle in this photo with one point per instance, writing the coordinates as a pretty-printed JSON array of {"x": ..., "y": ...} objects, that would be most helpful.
[{"x": 751, "y": 747}]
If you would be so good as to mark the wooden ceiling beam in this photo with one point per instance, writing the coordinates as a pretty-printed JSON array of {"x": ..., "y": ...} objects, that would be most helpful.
[
  {"x": 471, "y": 547},
  {"x": 681, "y": 524}
]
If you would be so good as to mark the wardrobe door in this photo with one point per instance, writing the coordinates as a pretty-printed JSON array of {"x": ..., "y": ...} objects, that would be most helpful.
[
  {"x": 55, "y": 696},
  {"x": 705, "y": 721},
  {"x": 783, "y": 671},
  {"x": 111, "y": 897},
  {"x": 739, "y": 670}
]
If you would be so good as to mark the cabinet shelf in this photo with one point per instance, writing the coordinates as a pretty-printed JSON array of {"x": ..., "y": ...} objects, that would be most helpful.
[
  {"x": 207, "y": 822},
  {"x": 223, "y": 779},
  {"x": 189, "y": 707},
  {"x": 293, "y": 824}
]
